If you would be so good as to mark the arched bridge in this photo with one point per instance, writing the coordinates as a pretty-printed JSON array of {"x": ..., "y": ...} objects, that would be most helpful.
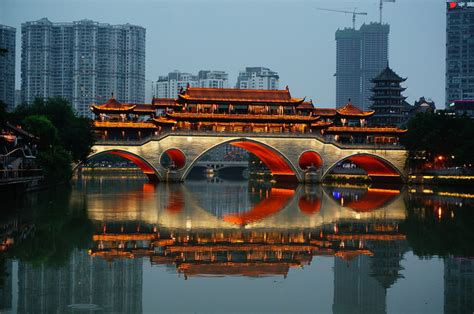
[{"x": 287, "y": 156}]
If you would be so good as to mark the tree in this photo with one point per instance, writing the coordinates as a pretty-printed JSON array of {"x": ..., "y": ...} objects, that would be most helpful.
[{"x": 40, "y": 126}]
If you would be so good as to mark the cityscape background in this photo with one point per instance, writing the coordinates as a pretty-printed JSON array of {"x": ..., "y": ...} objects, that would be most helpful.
[{"x": 293, "y": 38}]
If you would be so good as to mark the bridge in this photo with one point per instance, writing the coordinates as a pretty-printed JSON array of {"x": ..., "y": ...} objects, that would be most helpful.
[{"x": 288, "y": 156}]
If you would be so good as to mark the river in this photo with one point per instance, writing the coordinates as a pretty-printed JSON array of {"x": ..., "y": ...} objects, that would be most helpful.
[{"x": 121, "y": 244}]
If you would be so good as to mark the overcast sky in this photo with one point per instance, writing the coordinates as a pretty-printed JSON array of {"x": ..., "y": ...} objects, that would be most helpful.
[{"x": 290, "y": 37}]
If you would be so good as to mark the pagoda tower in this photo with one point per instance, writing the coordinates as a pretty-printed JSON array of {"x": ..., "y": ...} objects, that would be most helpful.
[{"x": 388, "y": 102}]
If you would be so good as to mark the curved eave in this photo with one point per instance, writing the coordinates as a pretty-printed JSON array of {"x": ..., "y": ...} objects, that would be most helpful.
[
  {"x": 111, "y": 110},
  {"x": 321, "y": 125},
  {"x": 240, "y": 118},
  {"x": 187, "y": 98},
  {"x": 123, "y": 125},
  {"x": 357, "y": 115},
  {"x": 369, "y": 130},
  {"x": 164, "y": 121}
]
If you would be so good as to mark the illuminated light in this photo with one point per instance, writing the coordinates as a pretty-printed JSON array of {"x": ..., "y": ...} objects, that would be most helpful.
[
  {"x": 274, "y": 162},
  {"x": 452, "y": 5},
  {"x": 440, "y": 157},
  {"x": 374, "y": 166},
  {"x": 335, "y": 229},
  {"x": 177, "y": 157},
  {"x": 452, "y": 214},
  {"x": 189, "y": 139},
  {"x": 269, "y": 206},
  {"x": 426, "y": 191},
  {"x": 373, "y": 199},
  {"x": 357, "y": 216},
  {"x": 142, "y": 164},
  {"x": 440, "y": 212},
  {"x": 428, "y": 177},
  {"x": 309, "y": 205},
  {"x": 308, "y": 159}
]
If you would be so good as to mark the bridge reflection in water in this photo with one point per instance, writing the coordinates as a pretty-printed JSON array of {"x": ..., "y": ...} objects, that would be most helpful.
[{"x": 240, "y": 229}]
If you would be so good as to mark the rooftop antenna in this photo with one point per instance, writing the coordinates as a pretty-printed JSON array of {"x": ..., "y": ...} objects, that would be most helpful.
[
  {"x": 354, "y": 13},
  {"x": 381, "y": 7}
]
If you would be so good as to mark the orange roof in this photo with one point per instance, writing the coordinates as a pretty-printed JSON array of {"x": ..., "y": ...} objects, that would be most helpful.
[
  {"x": 350, "y": 254},
  {"x": 164, "y": 120},
  {"x": 165, "y": 102},
  {"x": 240, "y": 117},
  {"x": 352, "y": 111},
  {"x": 231, "y": 95},
  {"x": 306, "y": 105},
  {"x": 354, "y": 129},
  {"x": 320, "y": 124},
  {"x": 124, "y": 125},
  {"x": 113, "y": 105},
  {"x": 324, "y": 112},
  {"x": 144, "y": 108}
]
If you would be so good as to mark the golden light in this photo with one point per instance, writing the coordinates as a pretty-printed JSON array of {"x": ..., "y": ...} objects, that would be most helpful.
[{"x": 440, "y": 212}]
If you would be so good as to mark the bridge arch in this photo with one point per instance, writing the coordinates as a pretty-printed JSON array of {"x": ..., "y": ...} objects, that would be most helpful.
[
  {"x": 280, "y": 165},
  {"x": 139, "y": 161},
  {"x": 375, "y": 166},
  {"x": 176, "y": 155}
]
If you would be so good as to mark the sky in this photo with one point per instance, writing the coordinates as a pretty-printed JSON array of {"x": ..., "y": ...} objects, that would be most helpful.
[{"x": 290, "y": 37}]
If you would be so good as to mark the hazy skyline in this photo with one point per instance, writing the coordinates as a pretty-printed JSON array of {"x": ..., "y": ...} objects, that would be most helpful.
[{"x": 289, "y": 37}]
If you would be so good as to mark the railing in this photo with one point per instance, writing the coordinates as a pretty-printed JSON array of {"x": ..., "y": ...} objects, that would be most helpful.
[
  {"x": 134, "y": 142},
  {"x": 10, "y": 175}
]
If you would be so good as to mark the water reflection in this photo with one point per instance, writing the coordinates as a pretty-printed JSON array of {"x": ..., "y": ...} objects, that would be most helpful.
[{"x": 89, "y": 248}]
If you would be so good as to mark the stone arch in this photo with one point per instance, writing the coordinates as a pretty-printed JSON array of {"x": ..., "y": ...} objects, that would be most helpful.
[
  {"x": 143, "y": 164},
  {"x": 280, "y": 166},
  {"x": 176, "y": 155},
  {"x": 310, "y": 158},
  {"x": 375, "y": 166}
]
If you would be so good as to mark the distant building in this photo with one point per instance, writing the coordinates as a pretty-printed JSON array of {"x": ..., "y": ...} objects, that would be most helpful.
[
  {"x": 83, "y": 62},
  {"x": 458, "y": 285},
  {"x": 461, "y": 108},
  {"x": 7, "y": 66},
  {"x": 423, "y": 105},
  {"x": 258, "y": 78},
  {"x": 459, "y": 51},
  {"x": 170, "y": 85},
  {"x": 388, "y": 102},
  {"x": 360, "y": 56},
  {"x": 17, "y": 97},
  {"x": 213, "y": 79}
]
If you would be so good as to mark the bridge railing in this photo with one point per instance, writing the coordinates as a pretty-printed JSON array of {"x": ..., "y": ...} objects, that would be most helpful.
[{"x": 317, "y": 136}]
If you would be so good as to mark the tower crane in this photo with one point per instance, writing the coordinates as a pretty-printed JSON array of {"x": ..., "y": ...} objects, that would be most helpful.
[
  {"x": 381, "y": 7},
  {"x": 354, "y": 13}
]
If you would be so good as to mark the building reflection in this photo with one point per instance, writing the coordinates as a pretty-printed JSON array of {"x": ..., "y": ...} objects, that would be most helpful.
[
  {"x": 82, "y": 284},
  {"x": 458, "y": 285}
]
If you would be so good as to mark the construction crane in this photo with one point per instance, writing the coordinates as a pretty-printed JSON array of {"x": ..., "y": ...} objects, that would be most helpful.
[
  {"x": 354, "y": 13},
  {"x": 381, "y": 7}
]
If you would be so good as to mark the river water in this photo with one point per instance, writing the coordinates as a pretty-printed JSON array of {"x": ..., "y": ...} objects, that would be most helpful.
[{"x": 120, "y": 244}]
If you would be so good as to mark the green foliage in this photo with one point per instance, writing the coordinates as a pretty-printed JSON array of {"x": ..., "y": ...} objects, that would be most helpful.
[
  {"x": 40, "y": 126},
  {"x": 74, "y": 134},
  {"x": 438, "y": 134},
  {"x": 56, "y": 164}
]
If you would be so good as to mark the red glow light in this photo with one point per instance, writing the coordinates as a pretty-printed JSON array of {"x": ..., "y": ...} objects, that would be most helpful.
[
  {"x": 274, "y": 162},
  {"x": 308, "y": 159},
  {"x": 452, "y": 5},
  {"x": 136, "y": 160},
  {"x": 374, "y": 166}
]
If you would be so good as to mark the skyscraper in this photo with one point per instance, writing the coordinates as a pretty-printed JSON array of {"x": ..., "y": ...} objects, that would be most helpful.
[
  {"x": 7, "y": 66},
  {"x": 361, "y": 55},
  {"x": 257, "y": 78},
  {"x": 83, "y": 62},
  {"x": 459, "y": 51}
]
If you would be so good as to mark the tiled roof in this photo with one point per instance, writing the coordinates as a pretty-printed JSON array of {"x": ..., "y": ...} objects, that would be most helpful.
[
  {"x": 388, "y": 75},
  {"x": 113, "y": 105},
  {"x": 306, "y": 105},
  {"x": 352, "y": 111},
  {"x": 325, "y": 111},
  {"x": 238, "y": 95},
  {"x": 164, "y": 102}
]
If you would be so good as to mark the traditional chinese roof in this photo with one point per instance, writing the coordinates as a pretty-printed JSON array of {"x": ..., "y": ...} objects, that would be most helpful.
[
  {"x": 325, "y": 112},
  {"x": 388, "y": 75},
  {"x": 230, "y": 95},
  {"x": 123, "y": 125},
  {"x": 190, "y": 116},
  {"x": 306, "y": 105},
  {"x": 112, "y": 106},
  {"x": 321, "y": 124},
  {"x": 350, "y": 110},
  {"x": 250, "y": 269},
  {"x": 371, "y": 130},
  {"x": 164, "y": 120},
  {"x": 165, "y": 102},
  {"x": 144, "y": 108}
]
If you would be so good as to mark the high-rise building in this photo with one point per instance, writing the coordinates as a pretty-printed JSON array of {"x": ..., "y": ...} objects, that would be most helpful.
[
  {"x": 7, "y": 65},
  {"x": 170, "y": 85},
  {"x": 84, "y": 62},
  {"x": 361, "y": 55},
  {"x": 458, "y": 285},
  {"x": 459, "y": 51},
  {"x": 348, "y": 67},
  {"x": 258, "y": 78}
]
